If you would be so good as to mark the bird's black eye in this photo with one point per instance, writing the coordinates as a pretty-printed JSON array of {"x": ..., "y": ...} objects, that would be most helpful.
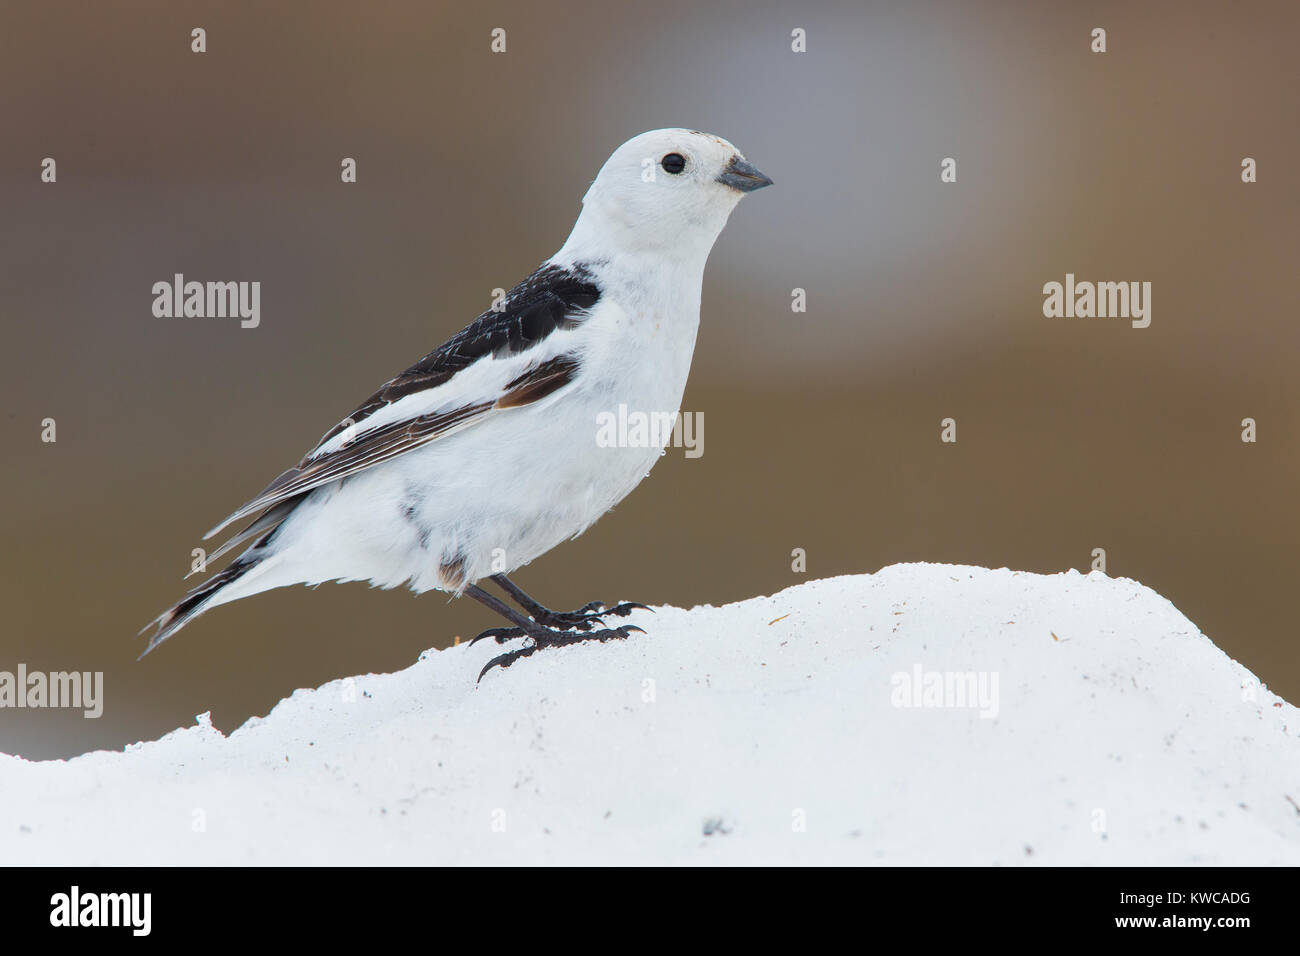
[{"x": 673, "y": 163}]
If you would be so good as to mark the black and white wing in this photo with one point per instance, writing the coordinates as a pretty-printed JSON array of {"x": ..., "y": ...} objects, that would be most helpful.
[{"x": 423, "y": 403}]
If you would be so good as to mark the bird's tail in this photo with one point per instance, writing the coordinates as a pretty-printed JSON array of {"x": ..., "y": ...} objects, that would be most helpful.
[
  {"x": 234, "y": 582},
  {"x": 195, "y": 602},
  {"x": 244, "y": 576}
]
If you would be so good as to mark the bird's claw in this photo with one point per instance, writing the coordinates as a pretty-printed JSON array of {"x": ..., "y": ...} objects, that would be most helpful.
[
  {"x": 558, "y": 639},
  {"x": 585, "y": 619},
  {"x": 564, "y": 620},
  {"x": 502, "y": 634},
  {"x": 623, "y": 610},
  {"x": 589, "y": 615}
]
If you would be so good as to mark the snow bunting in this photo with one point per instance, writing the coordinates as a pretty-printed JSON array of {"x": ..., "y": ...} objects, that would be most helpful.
[{"x": 483, "y": 455}]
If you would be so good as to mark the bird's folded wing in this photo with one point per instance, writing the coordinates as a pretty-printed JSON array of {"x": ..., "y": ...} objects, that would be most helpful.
[
  {"x": 399, "y": 437},
  {"x": 444, "y": 392}
]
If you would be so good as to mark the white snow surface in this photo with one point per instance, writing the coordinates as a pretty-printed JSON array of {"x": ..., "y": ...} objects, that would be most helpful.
[{"x": 763, "y": 732}]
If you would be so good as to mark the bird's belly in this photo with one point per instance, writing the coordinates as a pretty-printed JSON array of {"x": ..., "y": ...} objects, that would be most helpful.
[{"x": 492, "y": 499}]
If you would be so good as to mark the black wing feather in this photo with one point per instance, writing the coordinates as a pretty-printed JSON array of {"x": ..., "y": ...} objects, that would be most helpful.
[{"x": 551, "y": 298}]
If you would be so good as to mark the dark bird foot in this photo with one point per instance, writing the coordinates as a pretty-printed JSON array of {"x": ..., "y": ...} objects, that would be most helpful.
[
  {"x": 584, "y": 619},
  {"x": 542, "y": 639}
]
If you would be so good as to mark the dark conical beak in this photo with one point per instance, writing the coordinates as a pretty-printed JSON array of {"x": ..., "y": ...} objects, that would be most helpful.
[{"x": 742, "y": 176}]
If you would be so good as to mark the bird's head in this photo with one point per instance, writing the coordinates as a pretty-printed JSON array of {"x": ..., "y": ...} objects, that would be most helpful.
[{"x": 669, "y": 190}]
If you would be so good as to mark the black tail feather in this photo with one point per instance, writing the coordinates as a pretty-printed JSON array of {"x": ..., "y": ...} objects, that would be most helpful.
[{"x": 195, "y": 602}]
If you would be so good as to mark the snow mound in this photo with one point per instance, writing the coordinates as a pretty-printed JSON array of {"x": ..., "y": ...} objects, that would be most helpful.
[{"x": 925, "y": 714}]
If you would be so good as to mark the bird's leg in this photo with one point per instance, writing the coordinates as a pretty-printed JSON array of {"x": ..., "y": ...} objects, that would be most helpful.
[
  {"x": 542, "y": 635},
  {"x": 584, "y": 618},
  {"x": 523, "y": 626}
]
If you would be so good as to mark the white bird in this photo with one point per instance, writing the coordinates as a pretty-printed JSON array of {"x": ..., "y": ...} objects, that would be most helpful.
[{"x": 483, "y": 455}]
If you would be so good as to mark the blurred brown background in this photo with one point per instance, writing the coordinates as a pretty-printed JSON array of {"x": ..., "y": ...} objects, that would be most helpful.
[{"x": 822, "y": 429}]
